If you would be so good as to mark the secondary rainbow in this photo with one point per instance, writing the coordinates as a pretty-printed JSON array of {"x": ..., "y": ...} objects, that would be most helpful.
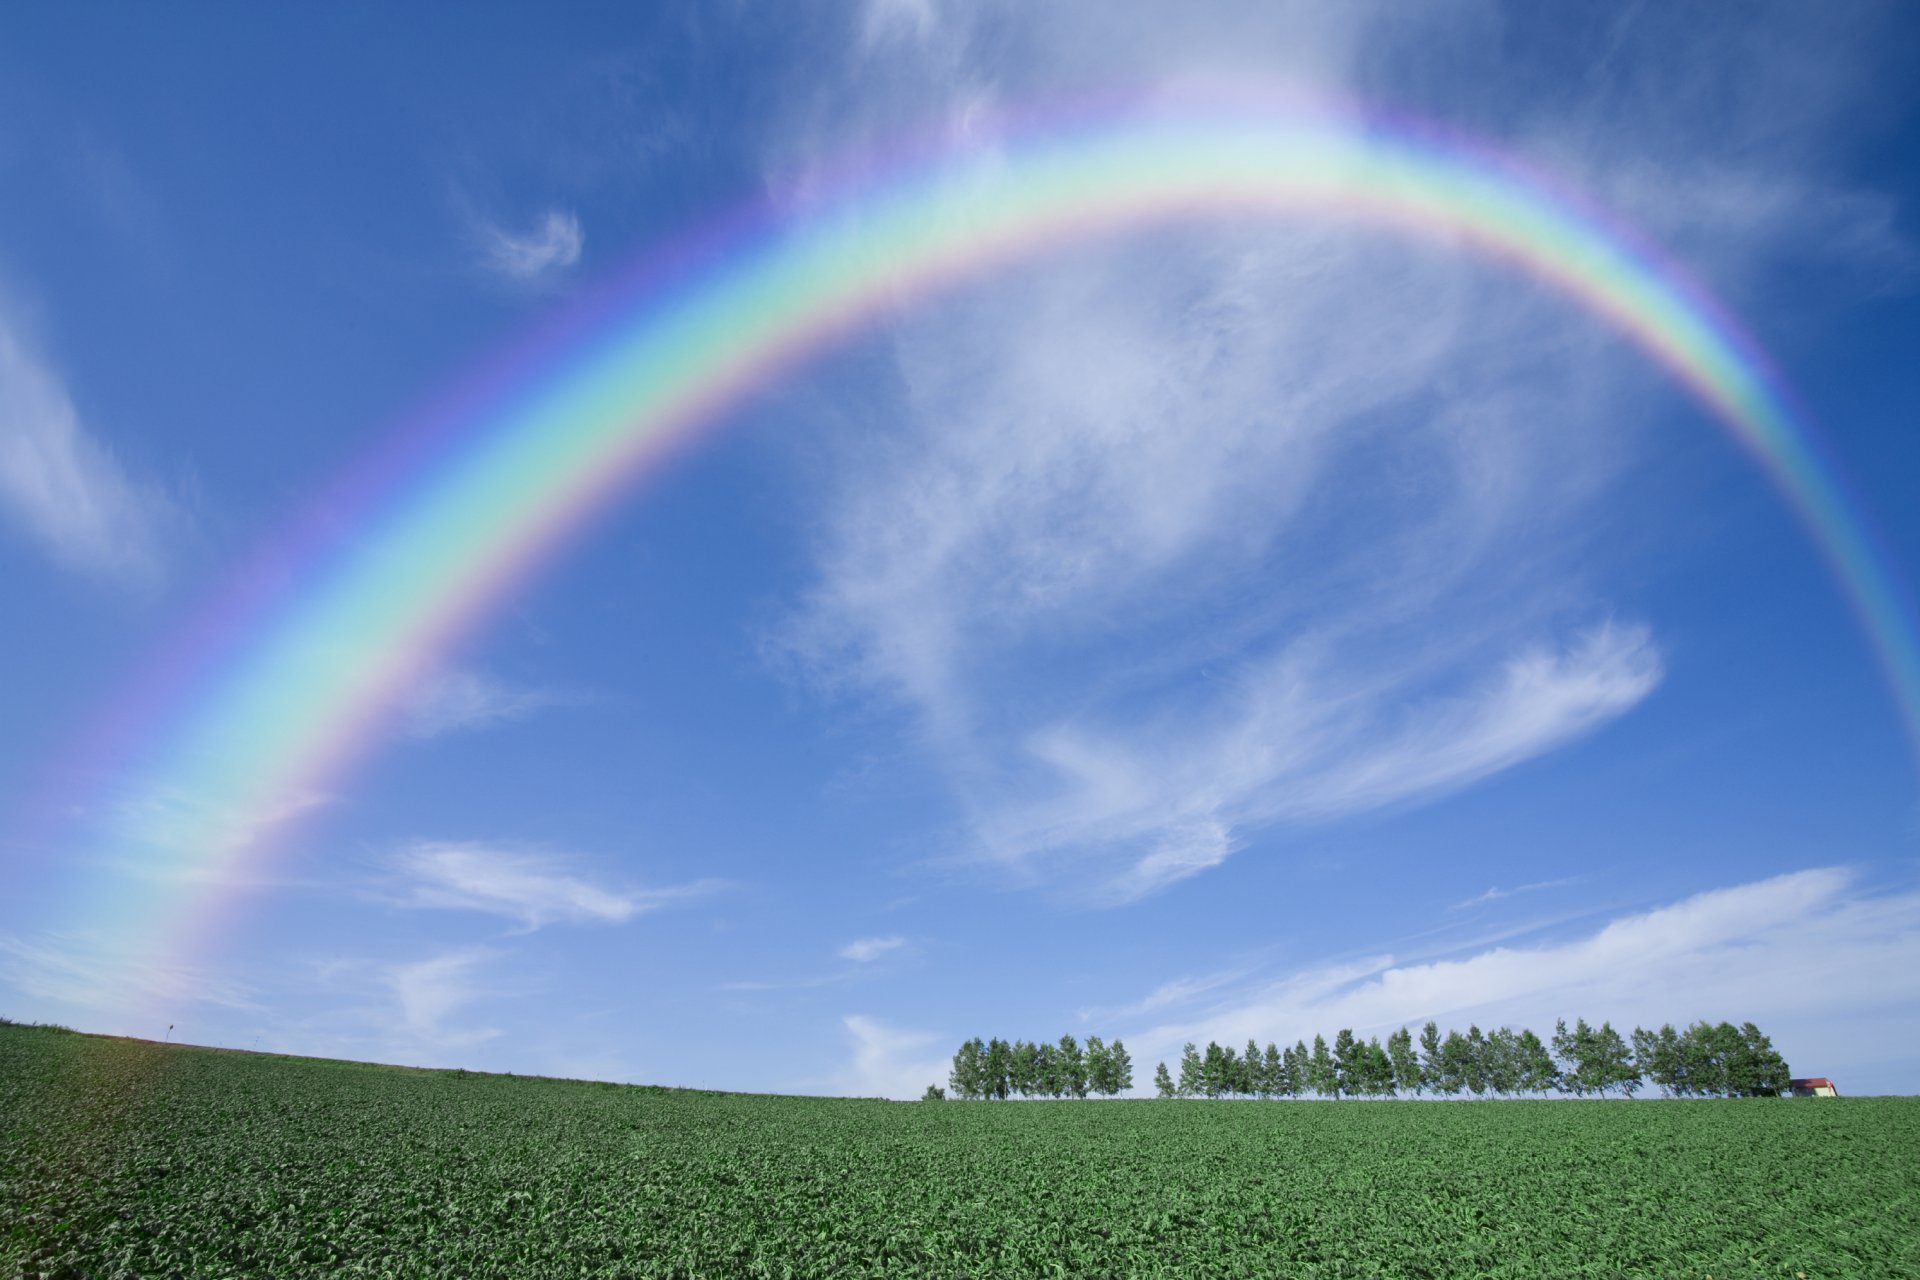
[{"x": 643, "y": 369}]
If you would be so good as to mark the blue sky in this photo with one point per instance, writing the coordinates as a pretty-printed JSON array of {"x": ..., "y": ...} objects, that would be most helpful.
[{"x": 1225, "y": 631}]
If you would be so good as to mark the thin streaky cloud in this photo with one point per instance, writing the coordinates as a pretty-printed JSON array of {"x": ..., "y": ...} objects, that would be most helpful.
[
  {"x": 1299, "y": 746},
  {"x": 532, "y": 888},
  {"x": 460, "y": 699},
  {"x": 863, "y": 950},
  {"x": 1171, "y": 994},
  {"x": 1495, "y": 894},
  {"x": 787, "y": 984},
  {"x": 539, "y": 255},
  {"x": 64, "y": 488},
  {"x": 84, "y": 971}
]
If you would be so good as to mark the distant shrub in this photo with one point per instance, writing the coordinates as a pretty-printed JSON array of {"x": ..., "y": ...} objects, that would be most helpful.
[{"x": 39, "y": 1026}]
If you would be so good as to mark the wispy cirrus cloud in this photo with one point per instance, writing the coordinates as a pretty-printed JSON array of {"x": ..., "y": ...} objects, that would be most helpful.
[
  {"x": 95, "y": 973},
  {"x": 429, "y": 992},
  {"x": 64, "y": 488},
  {"x": 539, "y": 255},
  {"x": 1495, "y": 893},
  {"x": 185, "y": 834},
  {"x": 1326, "y": 508},
  {"x": 1070, "y": 580},
  {"x": 863, "y": 950},
  {"x": 1813, "y": 958},
  {"x": 883, "y": 21},
  {"x": 459, "y": 699},
  {"x": 1172, "y": 994},
  {"x": 888, "y": 1061},
  {"x": 530, "y": 887}
]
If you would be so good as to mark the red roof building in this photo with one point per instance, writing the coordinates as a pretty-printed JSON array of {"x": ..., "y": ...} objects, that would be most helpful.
[{"x": 1813, "y": 1087}]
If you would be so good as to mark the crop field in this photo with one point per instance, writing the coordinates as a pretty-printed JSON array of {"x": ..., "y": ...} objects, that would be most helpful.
[{"x": 121, "y": 1158}]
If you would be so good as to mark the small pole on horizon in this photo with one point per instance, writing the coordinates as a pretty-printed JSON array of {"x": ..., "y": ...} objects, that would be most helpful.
[{"x": 169, "y": 1039}]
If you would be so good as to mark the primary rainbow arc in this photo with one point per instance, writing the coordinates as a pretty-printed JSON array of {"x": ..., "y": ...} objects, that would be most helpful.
[{"x": 653, "y": 369}]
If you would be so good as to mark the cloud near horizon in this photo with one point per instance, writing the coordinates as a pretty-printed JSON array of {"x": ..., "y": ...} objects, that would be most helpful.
[
  {"x": 888, "y": 1061},
  {"x": 1810, "y": 956}
]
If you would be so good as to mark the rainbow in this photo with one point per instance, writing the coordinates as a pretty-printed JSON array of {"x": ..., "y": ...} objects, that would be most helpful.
[{"x": 456, "y": 519}]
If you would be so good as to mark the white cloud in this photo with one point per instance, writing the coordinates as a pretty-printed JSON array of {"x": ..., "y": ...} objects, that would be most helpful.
[
  {"x": 532, "y": 888},
  {"x": 1821, "y": 967},
  {"x": 1164, "y": 798},
  {"x": 89, "y": 973},
  {"x": 185, "y": 835},
  {"x": 785, "y": 984},
  {"x": 536, "y": 256},
  {"x": 431, "y": 991},
  {"x": 1173, "y": 994},
  {"x": 865, "y": 949},
  {"x": 1494, "y": 893},
  {"x": 1360, "y": 488},
  {"x": 889, "y": 1062},
  {"x": 1165, "y": 544},
  {"x": 458, "y": 699},
  {"x": 885, "y": 20},
  {"x": 63, "y": 487}
]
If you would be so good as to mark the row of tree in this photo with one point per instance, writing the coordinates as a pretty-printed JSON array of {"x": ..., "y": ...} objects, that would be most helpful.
[
  {"x": 998, "y": 1069},
  {"x": 1703, "y": 1061}
]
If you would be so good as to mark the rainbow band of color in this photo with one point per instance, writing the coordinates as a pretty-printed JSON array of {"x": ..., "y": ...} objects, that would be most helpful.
[{"x": 658, "y": 367}]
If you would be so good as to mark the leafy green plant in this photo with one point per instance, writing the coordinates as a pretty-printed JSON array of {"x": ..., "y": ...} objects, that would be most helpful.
[{"x": 121, "y": 1158}]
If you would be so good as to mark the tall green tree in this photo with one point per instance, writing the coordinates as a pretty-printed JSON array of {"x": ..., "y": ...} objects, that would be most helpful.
[
  {"x": 1406, "y": 1066},
  {"x": 1537, "y": 1072},
  {"x": 1767, "y": 1075},
  {"x": 1347, "y": 1068},
  {"x": 968, "y": 1077},
  {"x": 1475, "y": 1061},
  {"x": 1213, "y": 1071},
  {"x": 1705, "y": 1069},
  {"x": 1193, "y": 1075},
  {"x": 1587, "y": 1051},
  {"x": 1252, "y": 1069},
  {"x": 1099, "y": 1065},
  {"x": 1273, "y": 1073},
  {"x": 1503, "y": 1061},
  {"x": 1646, "y": 1055},
  {"x": 1046, "y": 1072},
  {"x": 1456, "y": 1061},
  {"x": 1162, "y": 1082},
  {"x": 1024, "y": 1074},
  {"x": 1119, "y": 1068},
  {"x": 1379, "y": 1078},
  {"x": 1670, "y": 1061},
  {"x": 1612, "y": 1066},
  {"x": 1430, "y": 1064},
  {"x": 1293, "y": 1069},
  {"x": 1073, "y": 1068},
  {"x": 1566, "y": 1058},
  {"x": 999, "y": 1068},
  {"x": 1322, "y": 1076}
]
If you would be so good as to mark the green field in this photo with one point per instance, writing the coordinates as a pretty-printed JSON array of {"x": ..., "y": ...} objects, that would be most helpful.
[{"x": 126, "y": 1158}]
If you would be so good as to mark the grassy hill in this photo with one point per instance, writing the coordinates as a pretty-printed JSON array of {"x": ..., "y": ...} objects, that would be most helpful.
[{"x": 122, "y": 1157}]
